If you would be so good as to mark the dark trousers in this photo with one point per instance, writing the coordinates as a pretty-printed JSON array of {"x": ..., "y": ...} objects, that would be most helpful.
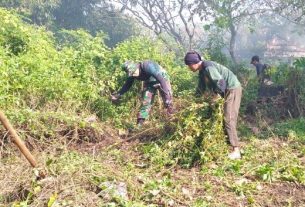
[{"x": 231, "y": 109}]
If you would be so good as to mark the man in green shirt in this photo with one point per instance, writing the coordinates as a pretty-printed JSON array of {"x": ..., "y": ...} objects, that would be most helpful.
[{"x": 222, "y": 82}]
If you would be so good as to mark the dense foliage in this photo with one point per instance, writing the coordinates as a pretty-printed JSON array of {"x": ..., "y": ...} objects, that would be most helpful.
[
  {"x": 51, "y": 83},
  {"x": 71, "y": 70}
]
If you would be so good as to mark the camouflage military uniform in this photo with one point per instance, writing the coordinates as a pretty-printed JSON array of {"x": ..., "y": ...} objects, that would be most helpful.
[
  {"x": 149, "y": 91},
  {"x": 155, "y": 78}
]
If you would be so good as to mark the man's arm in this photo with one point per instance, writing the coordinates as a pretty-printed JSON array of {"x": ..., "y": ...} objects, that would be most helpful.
[
  {"x": 217, "y": 78},
  {"x": 259, "y": 69},
  {"x": 126, "y": 86},
  {"x": 201, "y": 87}
]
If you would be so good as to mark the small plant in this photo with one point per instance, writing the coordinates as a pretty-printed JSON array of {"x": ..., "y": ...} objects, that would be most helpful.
[
  {"x": 266, "y": 172},
  {"x": 293, "y": 174}
]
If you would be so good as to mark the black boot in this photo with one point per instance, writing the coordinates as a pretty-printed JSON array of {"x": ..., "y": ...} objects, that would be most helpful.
[
  {"x": 140, "y": 122},
  {"x": 138, "y": 126}
]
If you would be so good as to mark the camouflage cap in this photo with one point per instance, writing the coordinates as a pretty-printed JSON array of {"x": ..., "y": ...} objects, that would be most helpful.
[{"x": 130, "y": 67}]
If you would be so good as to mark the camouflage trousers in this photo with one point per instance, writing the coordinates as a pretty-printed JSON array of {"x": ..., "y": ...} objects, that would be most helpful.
[{"x": 148, "y": 94}]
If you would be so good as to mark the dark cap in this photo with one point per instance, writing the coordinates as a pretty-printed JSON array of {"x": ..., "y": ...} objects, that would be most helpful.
[
  {"x": 192, "y": 57},
  {"x": 254, "y": 58},
  {"x": 130, "y": 67}
]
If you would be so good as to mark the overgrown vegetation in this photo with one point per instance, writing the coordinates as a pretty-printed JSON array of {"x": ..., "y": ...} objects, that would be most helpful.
[{"x": 55, "y": 89}]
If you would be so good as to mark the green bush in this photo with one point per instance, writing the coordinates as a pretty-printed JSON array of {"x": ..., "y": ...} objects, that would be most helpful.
[
  {"x": 38, "y": 73},
  {"x": 196, "y": 137},
  {"x": 74, "y": 71}
]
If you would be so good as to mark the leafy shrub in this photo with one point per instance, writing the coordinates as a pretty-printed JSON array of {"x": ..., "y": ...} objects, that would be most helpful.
[
  {"x": 197, "y": 136},
  {"x": 75, "y": 70}
]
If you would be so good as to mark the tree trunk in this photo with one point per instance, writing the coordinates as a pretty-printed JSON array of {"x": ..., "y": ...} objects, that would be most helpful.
[
  {"x": 190, "y": 46},
  {"x": 232, "y": 43}
]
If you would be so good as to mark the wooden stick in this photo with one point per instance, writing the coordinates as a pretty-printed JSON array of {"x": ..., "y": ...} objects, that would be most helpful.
[
  {"x": 117, "y": 144},
  {"x": 16, "y": 139}
]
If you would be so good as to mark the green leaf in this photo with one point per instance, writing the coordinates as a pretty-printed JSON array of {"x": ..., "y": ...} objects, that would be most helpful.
[{"x": 52, "y": 200}]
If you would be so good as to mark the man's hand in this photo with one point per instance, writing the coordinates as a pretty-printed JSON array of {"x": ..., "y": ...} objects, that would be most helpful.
[
  {"x": 215, "y": 98},
  {"x": 170, "y": 110},
  {"x": 157, "y": 85},
  {"x": 115, "y": 97}
]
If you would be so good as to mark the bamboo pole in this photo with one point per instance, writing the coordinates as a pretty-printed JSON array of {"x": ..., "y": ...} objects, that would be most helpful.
[{"x": 16, "y": 139}]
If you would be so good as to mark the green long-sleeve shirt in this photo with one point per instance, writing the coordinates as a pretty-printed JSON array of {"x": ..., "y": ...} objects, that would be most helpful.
[{"x": 216, "y": 77}]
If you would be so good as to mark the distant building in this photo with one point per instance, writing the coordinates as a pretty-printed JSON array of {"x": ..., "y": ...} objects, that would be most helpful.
[{"x": 286, "y": 47}]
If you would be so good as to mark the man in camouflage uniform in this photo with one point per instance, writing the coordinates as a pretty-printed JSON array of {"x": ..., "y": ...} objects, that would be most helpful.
[{"x": 155, "y": 78}]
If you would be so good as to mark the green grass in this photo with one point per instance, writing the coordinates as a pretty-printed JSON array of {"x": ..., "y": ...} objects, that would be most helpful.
[
  {"x": 77, "y": 174},
  {"x": 291, "y": 128}
]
